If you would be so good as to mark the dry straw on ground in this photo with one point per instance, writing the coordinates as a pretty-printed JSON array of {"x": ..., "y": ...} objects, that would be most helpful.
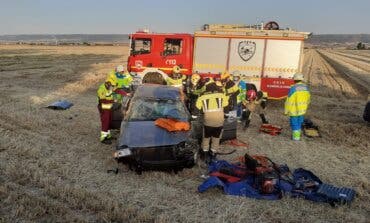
[{"x": 53, "y": 169}]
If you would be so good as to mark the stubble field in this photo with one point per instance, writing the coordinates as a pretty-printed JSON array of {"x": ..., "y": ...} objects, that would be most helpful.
[{"x": 53, "y": 168}]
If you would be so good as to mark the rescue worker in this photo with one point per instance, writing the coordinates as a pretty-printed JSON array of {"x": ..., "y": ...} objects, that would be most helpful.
[
  {"x": 212, "y": 102},
  {"x": 296, "y": 105},
  {"x": 242, "y": 91},
  {"x": 176, "y": 79},
  {"x": 231, "y": 90},
  {"x": 106, "y": 100},
  {"x": 255, "y": 102},
  {"x": 123, "y": 80},
  {"x": 194, "y": 90}
]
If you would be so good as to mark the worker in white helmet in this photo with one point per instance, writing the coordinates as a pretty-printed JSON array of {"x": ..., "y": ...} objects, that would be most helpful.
[
  {"x": 123, "y": 80},
  {"x": 176, "y": 79},
  {"x": 296, "y": 105}
]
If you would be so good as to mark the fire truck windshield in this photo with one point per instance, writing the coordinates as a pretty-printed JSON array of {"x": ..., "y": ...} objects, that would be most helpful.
[{"x": 140, "y": 46}]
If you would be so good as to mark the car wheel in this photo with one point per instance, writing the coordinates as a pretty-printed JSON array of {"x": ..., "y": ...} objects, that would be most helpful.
[{"x": 139, "y": 170}]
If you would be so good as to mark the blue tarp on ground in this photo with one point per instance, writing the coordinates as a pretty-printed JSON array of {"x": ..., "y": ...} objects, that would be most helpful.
[{"x": 60, "y": 105}]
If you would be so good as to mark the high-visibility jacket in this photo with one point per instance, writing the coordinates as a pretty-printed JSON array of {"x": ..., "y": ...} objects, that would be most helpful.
[
  {"x": 242, "y": 91},
  {"x": 212, "y": 102},
  {"x": 197, "y": 90},
  {"x": 231, "y": 88},
  {"x": 123, "y": 80},
  {"x": 105, "y": 97},
  {"x": 176, "y": 82},
  {"x": 298, "y": 100},
  {"x": 213, "y": 105}
]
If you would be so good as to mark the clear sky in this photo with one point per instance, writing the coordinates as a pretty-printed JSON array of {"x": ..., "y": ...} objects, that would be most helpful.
[{"x": 123, "y": 16}]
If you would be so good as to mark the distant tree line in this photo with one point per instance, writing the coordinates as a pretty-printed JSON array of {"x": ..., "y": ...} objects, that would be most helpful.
[{"x": 361, "y": 46}]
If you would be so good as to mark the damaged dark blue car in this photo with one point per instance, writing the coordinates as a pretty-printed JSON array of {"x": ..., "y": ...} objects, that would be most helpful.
[{"x": 143, "y": 145}]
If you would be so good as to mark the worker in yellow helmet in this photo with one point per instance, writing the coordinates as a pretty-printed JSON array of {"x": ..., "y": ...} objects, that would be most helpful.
[
  {"x": 123, "y": 80},
  {"x": 212, "y": 102},
  {"x": 296, "y": 105},
  {"x": 231, "y": 89},
  {"x": 176, "y": 79},
  {"x": 194, "y": 90},
  {"x": 106, "y": 100}
]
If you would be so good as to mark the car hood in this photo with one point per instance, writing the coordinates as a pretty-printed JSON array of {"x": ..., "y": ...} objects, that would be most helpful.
[{"x": 146, "y": 134}]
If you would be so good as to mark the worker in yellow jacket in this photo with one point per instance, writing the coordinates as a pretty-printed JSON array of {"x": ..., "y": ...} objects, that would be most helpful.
[
  {"x": 123, "y": 80},
  {"x": 231, "y": 90},
  {"x": 106, "y": 100},
  {"x": 176, "y": 79},
  {"x": 212, "y": 103},
  {"x": 296, "y": 105}
]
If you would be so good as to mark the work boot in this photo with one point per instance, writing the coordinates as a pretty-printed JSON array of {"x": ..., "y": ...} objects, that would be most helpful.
[
  {"x": 296, "y": 135},
  {"x": 247, "y": 122},
  {"x": 207, "y": 157},
  {"x": 106, "y": 141},
  {"x": 213, "y": 156},
  {"x": 263, "y": 118}
]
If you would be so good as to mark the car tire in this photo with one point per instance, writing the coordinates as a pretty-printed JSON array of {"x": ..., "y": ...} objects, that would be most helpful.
[{"x": 366, "y": 115}]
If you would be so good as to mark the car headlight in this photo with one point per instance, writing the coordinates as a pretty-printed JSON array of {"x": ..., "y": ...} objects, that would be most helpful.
[{"x": 122, "y": 153}]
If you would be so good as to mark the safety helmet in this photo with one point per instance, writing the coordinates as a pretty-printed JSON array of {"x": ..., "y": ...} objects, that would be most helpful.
[
  {"x": 298, "y": 77},
  {"x": 236, "y": 73},
  {"x": 195, "y": 78},
  {"x": 217, "y": 81},
  {"x": 251, "y": 95},
  {"x": 120, "y": 68},
  {"x": 225, "y": 75},
  {"x": 176, "y": 69}
]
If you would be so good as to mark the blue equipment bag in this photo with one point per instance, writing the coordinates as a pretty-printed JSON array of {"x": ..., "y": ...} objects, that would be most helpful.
[{"x": 336, "y": 195}]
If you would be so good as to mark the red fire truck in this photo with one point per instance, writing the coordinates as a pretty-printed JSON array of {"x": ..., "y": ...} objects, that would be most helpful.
[{"x": 263, "y": 54}]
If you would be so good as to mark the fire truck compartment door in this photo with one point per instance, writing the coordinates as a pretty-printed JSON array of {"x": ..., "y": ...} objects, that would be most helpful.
[
  {"x": 210, "y": 55},
  {"x": 246, "y": 56},
  {"x": 282, "y": 58}
]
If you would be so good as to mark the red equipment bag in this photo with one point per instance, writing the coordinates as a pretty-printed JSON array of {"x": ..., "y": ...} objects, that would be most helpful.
[{"x": 270, "y": 129}]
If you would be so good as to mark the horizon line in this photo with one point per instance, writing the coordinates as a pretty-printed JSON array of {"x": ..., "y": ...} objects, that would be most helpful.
[{"x": 51, "y": 34}]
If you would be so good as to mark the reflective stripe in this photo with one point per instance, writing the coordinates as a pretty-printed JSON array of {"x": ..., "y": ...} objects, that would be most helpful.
[
  {"x": 219, "y": 102},
  {"x": 205, "y": 107},
  {"x": 106, "y": 106},
  {"x": 176, "y": 85},
  {"x": 213, "y": 110}
]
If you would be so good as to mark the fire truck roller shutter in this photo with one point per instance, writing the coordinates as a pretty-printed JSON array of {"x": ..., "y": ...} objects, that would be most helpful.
[
  {"x": 246, "y": 55},
  {"x": 210, "y": 55},
  {"x": 282, "y": 58}
]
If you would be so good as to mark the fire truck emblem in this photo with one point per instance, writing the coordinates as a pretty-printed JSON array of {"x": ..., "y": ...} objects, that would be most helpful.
[{"x": 246, "y": 50}]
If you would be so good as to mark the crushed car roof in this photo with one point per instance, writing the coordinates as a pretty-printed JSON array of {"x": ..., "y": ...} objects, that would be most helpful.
[{"x": 157, "y": 91}]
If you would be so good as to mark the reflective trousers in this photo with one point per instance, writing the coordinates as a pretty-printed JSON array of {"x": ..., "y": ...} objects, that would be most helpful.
[
  {"x": 296, "y": 125},
  {"x": 105, "y": 118},
  {"x": 211, "y": 138}
]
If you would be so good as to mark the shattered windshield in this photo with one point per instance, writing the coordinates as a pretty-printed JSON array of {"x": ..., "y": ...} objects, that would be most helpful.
[{"x": 152, "y": 109}]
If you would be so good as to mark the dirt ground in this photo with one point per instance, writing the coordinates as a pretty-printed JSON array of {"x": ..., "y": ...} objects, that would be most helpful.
[{"x": 53, "y": 168}]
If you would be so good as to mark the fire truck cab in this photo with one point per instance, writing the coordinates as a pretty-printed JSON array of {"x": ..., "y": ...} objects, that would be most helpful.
[
  {"x": 161, "y": 52},
  {"x": 264, "y": 55}
]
